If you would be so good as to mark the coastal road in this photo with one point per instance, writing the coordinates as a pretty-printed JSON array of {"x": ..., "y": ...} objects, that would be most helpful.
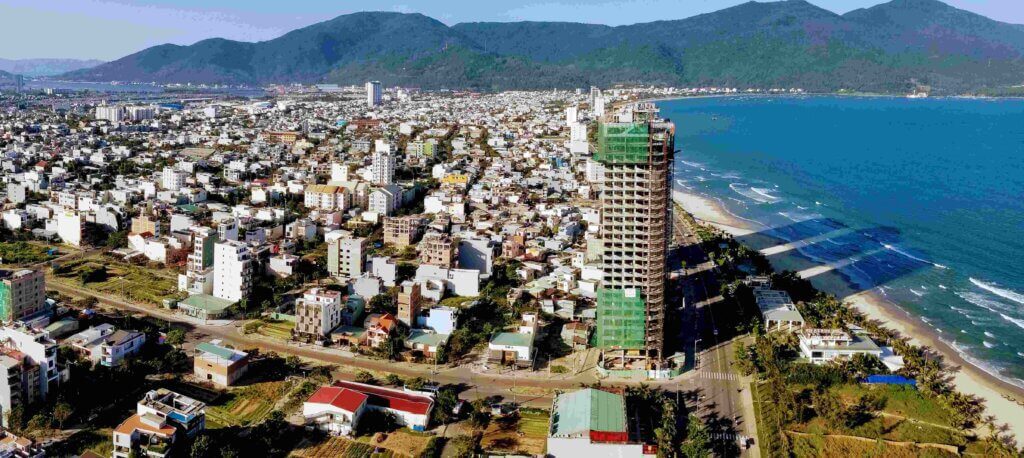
[{"x": 722, "y": 395}]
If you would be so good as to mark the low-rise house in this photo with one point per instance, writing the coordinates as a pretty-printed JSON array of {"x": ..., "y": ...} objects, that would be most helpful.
[
  {"x": 425, "y": 342},
  {"x": 163, "y": 418},
  {"x": 107, "y": 345},
  {"x": 334, "y": 410},
  {"x": 218, "y": 364},
  {"x": 379, "y": 328},
  {"x": 515, "y": 348},
  {"x": 820, "y": 346}
]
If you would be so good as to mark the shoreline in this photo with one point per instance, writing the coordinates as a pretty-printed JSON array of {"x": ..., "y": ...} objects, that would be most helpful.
[{"x": 968, "y": 378}]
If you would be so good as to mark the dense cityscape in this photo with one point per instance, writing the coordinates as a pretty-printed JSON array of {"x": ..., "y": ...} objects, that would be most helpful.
[{"x": 772, "y": 229}]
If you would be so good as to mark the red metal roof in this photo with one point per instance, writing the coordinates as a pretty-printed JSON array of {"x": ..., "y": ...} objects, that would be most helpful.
[
  {"x": 342, "y": 398},
  {"x": 390, "y": 398}
]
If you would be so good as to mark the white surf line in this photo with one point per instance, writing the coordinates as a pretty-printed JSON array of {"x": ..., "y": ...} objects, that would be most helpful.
[
  {"x": 776, "y": 249},
  {"x": 818, "y": 270}
]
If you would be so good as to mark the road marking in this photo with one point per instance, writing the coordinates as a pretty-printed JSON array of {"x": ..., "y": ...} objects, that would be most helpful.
[
  {"x": 717, "y": 375},
  {"x": 723, "y": 436}
]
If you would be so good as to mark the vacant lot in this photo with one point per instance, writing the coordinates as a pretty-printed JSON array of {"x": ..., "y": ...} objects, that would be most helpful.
[
  {"x": 332, "y": 447},
  {"x": 832, "y": 447},
  {"x": 22, "y": 253},
  {"x": 246, "y": 405},
  {"x": 105, "y": 275},
  {"x": 275, "y": 329},
  {"x": 525, "y": 434}
]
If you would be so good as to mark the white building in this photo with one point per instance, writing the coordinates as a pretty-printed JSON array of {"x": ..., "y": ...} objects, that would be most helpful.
[
  {"x": 382, "y": 167},
  {"x": 232, "y": 270},
  {"x": 346, "y": 256},
  {"x": 110, "y": 113},
  {"x": 820, "y": 346},
  {"x": 172, "y": 179}
]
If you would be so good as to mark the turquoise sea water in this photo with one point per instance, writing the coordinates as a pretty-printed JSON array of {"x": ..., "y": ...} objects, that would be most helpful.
[{"x": 919, "y": 200}]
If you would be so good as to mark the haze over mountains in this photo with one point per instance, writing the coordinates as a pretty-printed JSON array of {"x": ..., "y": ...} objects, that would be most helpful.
[
  {"x": 889, "y": 47},
  {"x": 45, "y": 67}
]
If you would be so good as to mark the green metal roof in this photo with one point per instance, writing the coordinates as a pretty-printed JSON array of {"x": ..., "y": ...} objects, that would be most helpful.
[
  {"x": 579, "y": 412},
  {"x": 220, "y": 352},
  {"x": 207, "y": 302},
  {"x": 513, "y": 339},
  {"x": 432, "y": 339}
]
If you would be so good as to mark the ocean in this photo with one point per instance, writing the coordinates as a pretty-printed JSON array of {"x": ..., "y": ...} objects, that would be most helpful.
[{"x": 918, "y": 200}]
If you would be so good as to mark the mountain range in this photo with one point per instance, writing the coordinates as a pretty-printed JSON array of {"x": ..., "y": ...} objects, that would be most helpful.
[
  {"x": 45, "y": 67},
  {"x": 891, "y": 47}
]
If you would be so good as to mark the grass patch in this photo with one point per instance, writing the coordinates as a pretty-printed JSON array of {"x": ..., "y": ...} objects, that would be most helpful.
[
  {"x": 247, "y": 405},
  {"x": 140, "y": 283},
  {"x": 525, "y": 434},
  {"x": 21, "y": 253},
  {"x": 275, "y": 329},
  {"x": 836, "y": 447},
  {"x": 331, "y": 447},
  {"x": 899, "y": 400},
  {"x": 457, "y": 302},
  {"x": 97, "y": 440}
]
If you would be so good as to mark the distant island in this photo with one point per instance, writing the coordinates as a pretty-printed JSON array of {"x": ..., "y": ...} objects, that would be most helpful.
[{"x": 895, "y": 47}]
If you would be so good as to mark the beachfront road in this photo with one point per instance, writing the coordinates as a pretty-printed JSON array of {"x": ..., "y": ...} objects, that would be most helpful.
[{"x": 717, "y": 392}]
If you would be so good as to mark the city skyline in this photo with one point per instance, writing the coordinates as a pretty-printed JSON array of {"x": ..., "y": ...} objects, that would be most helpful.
[{"x": 109, "y": 30}]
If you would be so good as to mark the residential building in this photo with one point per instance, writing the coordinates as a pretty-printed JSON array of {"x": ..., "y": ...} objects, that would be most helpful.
[
  {"x": 635, "y": 218},
  {"x": 29, "y": 358},
  {"x": 346, "y": 256},
  {"x": 144, "y": 224},
  {"x": 409, "y": 303},
  {"x": 478, "y": 253},
  {"x": 438, "y": 250},
  {"x": 198, "y": 276},
  {"x": 232, "y": 270},
  {"x": 515, "y": 348},
  {"x": 317, "y": 313},
  {"x": 373, "y": 93},
  {"x": 22, "y": 294},
  {"x": 821, "y": 346},
  {"x": 382, "y": 168},
  {"x": 112, "y": 114},
  {"x": 106, "y": 345},
  {"x": 162, "y": 420},
  {"x": 402, "y": 231},
  {"x": 218, "y": 364},
  {"x": 172, "y": 179}
]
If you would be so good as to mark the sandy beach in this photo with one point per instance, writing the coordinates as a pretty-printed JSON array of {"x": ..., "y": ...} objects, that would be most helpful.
[{"x": 968, "y": 378}]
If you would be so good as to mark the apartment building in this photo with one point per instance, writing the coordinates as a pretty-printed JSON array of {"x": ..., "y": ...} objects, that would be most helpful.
[
  {"x": 29, "y": 358},
  {"x": 317, "y": 313},
  {"x": 22, "y": 294},
  {"x": 346, "y": 256},
  {"x": 402, "y": 231},
  {"x": 232, "y": 270},
  {"x": 438, "y": 250},
  {"x": 409, "y": 300}
]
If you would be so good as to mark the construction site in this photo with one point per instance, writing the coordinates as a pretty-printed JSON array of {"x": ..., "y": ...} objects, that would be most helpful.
[{"x": 636, "y": 149}]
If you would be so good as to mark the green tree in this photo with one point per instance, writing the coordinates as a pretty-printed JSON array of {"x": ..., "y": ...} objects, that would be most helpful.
[
  {"x": 201, "y": 447},
  {"x": 175, "y": 337},
  {"x": 61, "y": 412},
  {"x": 365, "y": 377}
]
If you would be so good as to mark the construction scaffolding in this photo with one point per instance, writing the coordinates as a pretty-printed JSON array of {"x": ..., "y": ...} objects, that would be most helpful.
[
  {"x": 621, "y": 319},
  {"x": 635, "y": 228},
  {"x": 622, "y": 143}
]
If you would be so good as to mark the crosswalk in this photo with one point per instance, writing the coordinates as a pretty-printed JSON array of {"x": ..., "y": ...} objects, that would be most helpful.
[
  {"x": 716, "y": 375},
  {"x": 723, "y": 436}
]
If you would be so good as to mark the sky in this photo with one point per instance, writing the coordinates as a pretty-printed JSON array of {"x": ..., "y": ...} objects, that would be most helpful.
[{"x": 110, "y": 29}]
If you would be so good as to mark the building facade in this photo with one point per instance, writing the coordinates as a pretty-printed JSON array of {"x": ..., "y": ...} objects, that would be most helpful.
[{"x": 637, "y": 154}]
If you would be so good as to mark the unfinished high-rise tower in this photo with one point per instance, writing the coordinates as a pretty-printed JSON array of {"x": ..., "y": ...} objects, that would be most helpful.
[{"x": 636, "y": 149}]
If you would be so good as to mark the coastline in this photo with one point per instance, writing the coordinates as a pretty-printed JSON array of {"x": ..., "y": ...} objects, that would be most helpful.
[{"x": 968, "y": 378}]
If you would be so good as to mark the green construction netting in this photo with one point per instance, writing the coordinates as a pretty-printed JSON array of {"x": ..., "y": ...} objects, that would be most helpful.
[
  {"x": 621, "y": 321},
  {"x": 5, "y": 299},
  {"x": 622, "y": 143}
]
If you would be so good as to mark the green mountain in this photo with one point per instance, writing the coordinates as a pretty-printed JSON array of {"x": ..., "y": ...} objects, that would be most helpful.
[{"x": 890, "y": 47}]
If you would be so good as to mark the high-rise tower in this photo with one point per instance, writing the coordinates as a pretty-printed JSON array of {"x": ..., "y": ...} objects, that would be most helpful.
[{"x": 636, "y": 151}]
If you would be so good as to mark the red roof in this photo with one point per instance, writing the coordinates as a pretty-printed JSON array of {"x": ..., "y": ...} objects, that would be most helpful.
[
  {"x": 342, "y": 398},
  {"x": 390, "y": 398}
]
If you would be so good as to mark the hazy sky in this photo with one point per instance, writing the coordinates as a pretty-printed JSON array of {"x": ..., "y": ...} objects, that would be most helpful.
[{"x": 109, "y": 29}]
